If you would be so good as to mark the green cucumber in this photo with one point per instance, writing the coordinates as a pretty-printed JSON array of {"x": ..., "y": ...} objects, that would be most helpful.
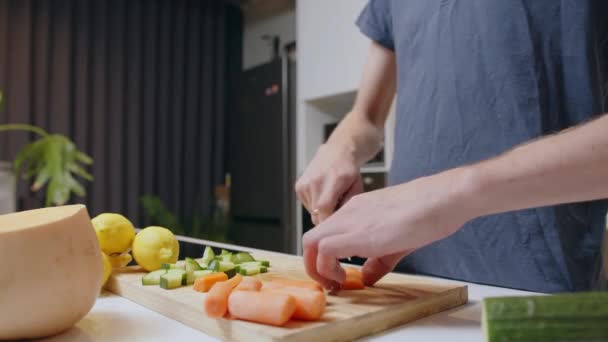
[
  {"x": 152, "y": 278},
  {"x": 214, "y": 265},
  {"x": 226, "y": 257},
  {"x": 208, "y": 255},
  {"x": 225, "y": 252},
  {"x": 166, "y": 266},
  {"x": 265, "y": 263},
  {"x": 225, "y": 266},
  {"x": 242, "y": 257},
  {"x": 251, "y": 269},
  {"x": 179, "y": 271},
  {"x": 562, "y": 317},
  {"x": 191, "y": 266},
  {"x": 173, "y": 279},
  {"x": 230, "y": 273}
]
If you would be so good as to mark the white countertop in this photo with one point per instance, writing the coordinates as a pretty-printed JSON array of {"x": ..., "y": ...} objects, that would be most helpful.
[{"x": 116, "y": 319}]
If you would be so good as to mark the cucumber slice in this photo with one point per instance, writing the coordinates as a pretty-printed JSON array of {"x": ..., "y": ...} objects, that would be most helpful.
[
  {"x": 224, "y": 252},
  {"x": 172, "y": 280},
  {"x": 252, "y": 269},
  {"x": 226, "y": 257},
  {"x": 180, "y": 272},
  {"x": 152, "y": 278},
  {"x": 225, "y": 266},
  {"x": 208, "y": 255},
  {"x": 191, "y": 266},
  {"x": 214, "y": 265},
  {"x": 166, "y": 266},
  {"x": 264, "y": 263},
  {"x": 242, "y": 257}
]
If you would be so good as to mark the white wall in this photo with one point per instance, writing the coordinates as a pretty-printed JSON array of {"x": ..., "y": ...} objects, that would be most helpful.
[
  {"x": 257, "y": 51},
  {"x": 331, "y": 50}
]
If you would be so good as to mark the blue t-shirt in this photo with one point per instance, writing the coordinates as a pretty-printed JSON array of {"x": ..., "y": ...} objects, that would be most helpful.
[{"x": 476, "y": 78}]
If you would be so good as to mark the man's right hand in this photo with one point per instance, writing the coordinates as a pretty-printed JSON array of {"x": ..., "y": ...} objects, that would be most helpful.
[{"x": 329, "y": 181}]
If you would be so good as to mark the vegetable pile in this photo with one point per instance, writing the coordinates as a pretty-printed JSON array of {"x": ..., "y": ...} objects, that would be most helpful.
[{"x": 203, "y": 273}]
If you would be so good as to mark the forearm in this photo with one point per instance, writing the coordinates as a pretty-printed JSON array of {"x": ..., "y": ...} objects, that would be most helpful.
[
  {"x": 358, "y": 137},
  {"x": 362, "y": 131},
  {"x": 571, "y": 166}
]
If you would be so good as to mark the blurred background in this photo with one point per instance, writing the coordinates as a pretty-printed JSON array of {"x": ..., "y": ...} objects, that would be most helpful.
[{"x": 196, "y": 115}]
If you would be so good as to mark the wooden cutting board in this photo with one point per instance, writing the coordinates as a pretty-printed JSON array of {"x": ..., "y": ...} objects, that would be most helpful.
[{"x": 395, "y": 300}]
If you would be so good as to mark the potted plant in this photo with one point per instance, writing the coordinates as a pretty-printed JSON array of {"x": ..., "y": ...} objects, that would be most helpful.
[{"x": 52, "y": 161}]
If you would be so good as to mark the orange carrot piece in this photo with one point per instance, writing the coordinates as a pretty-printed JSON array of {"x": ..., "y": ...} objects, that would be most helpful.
[
  {"x": 353, "y": 272},
  {"x": 249, "y": 284},
  {"x": 216, "y": 302},
  {"x": 205, "y": 283},
  {"x": 353, "y": 283},
  {"x": 309, "y": 284},
  {"x": 310, "y": 304},
  {"x": 262, "y": 306}
]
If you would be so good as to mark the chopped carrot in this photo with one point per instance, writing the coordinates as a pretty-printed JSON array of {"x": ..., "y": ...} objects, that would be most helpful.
[
  {"x": 262, "y": 307},
  {"x": 310, "y": 304},
  {"x": 204, "y": 284},
  {"x": 352, "y": 283},
  {"x": 309, "y": 284},
  {"x": 249, "y": 284},
  {"x": 353, "y": 272},
  {"x": 216, "y": 302}
]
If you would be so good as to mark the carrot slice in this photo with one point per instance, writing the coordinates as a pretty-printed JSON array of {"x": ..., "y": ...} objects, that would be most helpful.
[
  {"x": 249, "y": 284},
  {"x": 352, "y": 283},
  {"x": 216, "y": 302},
  {"x": 309, "y": 284},
  {"x": 310, "y": 304},
  {"x": 262, "y": 307},
  {"x": 353, "y": 272},
  {"x": 205, "y": 283}
]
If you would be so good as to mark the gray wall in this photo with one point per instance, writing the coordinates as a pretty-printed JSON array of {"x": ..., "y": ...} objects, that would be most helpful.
[{"x": 139, "y": 85}]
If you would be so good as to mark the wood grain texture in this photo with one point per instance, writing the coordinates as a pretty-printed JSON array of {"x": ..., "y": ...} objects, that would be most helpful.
[{"x": 395, "y": 300}]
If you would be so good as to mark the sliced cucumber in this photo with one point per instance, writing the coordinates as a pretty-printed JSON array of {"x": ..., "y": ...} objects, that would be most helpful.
[
  {"x": 264, "y": 263},
  {"x": 191, "y": 266},
  {"x": 172, "y": 280},
  {"x": 152, "y": 278},
  {"x": 214, "y": 265},
  {"x": 242, "y": 257},
  {"x": 208, "y": 255},
  {"x": 225, "y": 266},
  {"x": 181, "y": 272},
  {"x": 224, "y": 252},
  {"x": 252, "y": 269},
  {"x": 226, "y": 257},
  {"x": 166, "y": 266}
]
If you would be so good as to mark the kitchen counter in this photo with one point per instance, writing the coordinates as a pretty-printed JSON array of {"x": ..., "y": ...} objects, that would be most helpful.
[{"x": 116, "y": 319}]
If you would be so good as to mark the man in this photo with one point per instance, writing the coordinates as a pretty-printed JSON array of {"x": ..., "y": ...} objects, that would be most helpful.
[{"x": 473, "y": 80}]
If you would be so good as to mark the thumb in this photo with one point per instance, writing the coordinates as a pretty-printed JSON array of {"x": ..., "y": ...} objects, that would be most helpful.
[{"x": 376, "y": 268}]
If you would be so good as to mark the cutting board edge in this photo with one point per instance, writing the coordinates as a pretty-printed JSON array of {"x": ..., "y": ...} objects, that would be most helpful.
[
  {"x": 231, "y": 330},
  {"x": 380, "y": 321}
]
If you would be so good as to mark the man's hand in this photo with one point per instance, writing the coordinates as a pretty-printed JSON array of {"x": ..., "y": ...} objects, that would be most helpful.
[
  {"x": 330, "y": 179},
  {"x": 386, "y": 225}
]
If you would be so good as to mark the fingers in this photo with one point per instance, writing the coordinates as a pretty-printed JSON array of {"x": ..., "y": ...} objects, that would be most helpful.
[
  {"x": 376, "y": 268},
  {"x": 310, "y": 263}
]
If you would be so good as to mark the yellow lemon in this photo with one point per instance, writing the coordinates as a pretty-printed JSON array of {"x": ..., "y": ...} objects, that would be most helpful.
[
  {"x": 114, "y": 232},
  {"x": 120, "y": 260},
  {"x": 154, "y": 246},
  {"x": 107, "y": 268}
]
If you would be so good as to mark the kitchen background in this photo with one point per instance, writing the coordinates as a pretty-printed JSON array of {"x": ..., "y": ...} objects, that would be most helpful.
[{"x": 198, "y": 115}]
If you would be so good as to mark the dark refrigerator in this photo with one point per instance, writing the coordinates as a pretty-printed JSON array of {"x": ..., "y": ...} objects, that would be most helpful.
[{"x": 261, "y": 157}]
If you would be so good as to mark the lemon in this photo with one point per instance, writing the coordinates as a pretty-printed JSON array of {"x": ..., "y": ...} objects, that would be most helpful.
[
  {"x": 114, "y": 232},
  {"x": 120, "y": 260},
  {"x": 107, "y": 268},
  {"x": 154, "y": 246}
]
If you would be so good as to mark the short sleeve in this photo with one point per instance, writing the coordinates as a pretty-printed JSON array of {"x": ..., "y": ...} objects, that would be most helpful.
[{"x": 375, "y": 21}]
